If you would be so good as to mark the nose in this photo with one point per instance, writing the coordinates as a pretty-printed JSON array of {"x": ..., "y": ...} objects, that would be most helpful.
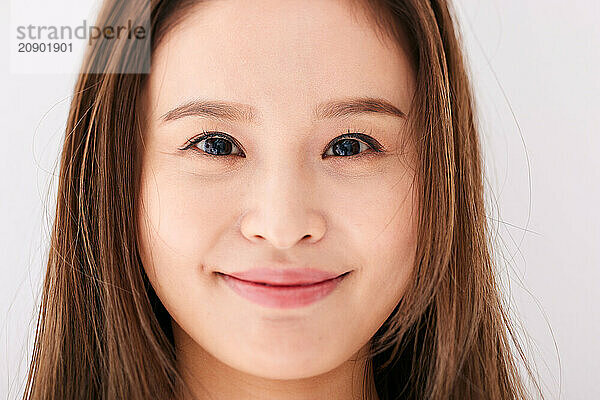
[{"x": 284, "y": 209}]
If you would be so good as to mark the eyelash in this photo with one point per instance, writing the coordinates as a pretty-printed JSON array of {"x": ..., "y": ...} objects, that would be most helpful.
[{"x": 371, "y": 143}]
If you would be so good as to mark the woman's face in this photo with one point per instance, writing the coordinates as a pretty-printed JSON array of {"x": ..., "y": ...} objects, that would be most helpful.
[{"x": 279, "y": 188}]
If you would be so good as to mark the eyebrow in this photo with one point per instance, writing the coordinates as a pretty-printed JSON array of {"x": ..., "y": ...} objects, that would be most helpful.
[{"x": 232, "y": 111}]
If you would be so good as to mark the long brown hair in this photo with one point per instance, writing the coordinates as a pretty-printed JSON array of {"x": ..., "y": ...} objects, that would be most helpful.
[{"x": 103, "y": 333}]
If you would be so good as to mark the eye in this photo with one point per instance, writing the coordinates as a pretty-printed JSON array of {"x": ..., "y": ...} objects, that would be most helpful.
[
  {"x": 351, "y": 144},
  {"x": 214, "y": 144}
]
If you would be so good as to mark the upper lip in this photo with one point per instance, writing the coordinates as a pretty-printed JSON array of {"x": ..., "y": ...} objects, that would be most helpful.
[{"x": 285, "y": 276}]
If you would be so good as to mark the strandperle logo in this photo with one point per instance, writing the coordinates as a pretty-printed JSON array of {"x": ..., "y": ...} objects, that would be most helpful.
[
  {"x": 54, "y": 36},
  {"x": 83, "y": 31}
]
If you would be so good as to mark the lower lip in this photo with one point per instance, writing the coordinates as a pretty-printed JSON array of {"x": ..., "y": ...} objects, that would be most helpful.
[{"x": 282, "y": 296}]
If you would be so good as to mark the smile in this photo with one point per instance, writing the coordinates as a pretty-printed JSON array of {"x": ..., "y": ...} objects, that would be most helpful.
[{"x": 282, "y": 296}]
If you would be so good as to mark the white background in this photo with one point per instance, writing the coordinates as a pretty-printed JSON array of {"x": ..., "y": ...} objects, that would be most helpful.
[{"x": 535, "y": 65}]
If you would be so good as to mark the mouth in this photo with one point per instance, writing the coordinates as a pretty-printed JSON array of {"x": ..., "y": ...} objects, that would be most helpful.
[
  {"x": 282, "y": 295},
  {"x": 282, "y": 285}
]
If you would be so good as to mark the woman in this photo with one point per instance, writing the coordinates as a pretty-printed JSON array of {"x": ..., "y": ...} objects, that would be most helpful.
[{"x": 289, "y": 206}]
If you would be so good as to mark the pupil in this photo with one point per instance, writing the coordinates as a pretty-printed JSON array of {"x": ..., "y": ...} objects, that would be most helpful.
[
  {"x": 216, "y": 145},
  {"x": 347, "y": 145}
]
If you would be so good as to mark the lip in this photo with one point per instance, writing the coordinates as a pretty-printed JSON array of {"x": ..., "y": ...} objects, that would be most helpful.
[
  {"x": 284, "y": 276},
  {"x": 284, "y": 295}
]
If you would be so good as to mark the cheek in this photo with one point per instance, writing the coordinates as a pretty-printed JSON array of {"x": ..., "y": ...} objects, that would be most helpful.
[
  {"x": 177, "y": 223},
  {"x": 181, "y": 217},
  {"x": 384, "y": 233}
]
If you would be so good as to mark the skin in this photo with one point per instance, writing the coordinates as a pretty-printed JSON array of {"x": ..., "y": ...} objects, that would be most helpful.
[{"x": 282, "y": 204}]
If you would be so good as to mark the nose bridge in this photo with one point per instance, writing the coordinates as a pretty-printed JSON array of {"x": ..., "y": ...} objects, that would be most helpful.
[{"x": 282, "y": 210}]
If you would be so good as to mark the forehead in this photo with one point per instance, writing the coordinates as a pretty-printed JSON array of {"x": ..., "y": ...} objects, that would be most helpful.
[{"x": 283, "y": 56}]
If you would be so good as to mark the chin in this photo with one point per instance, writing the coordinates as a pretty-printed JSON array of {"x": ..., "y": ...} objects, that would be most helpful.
[{"x": 286, "y": 366}]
